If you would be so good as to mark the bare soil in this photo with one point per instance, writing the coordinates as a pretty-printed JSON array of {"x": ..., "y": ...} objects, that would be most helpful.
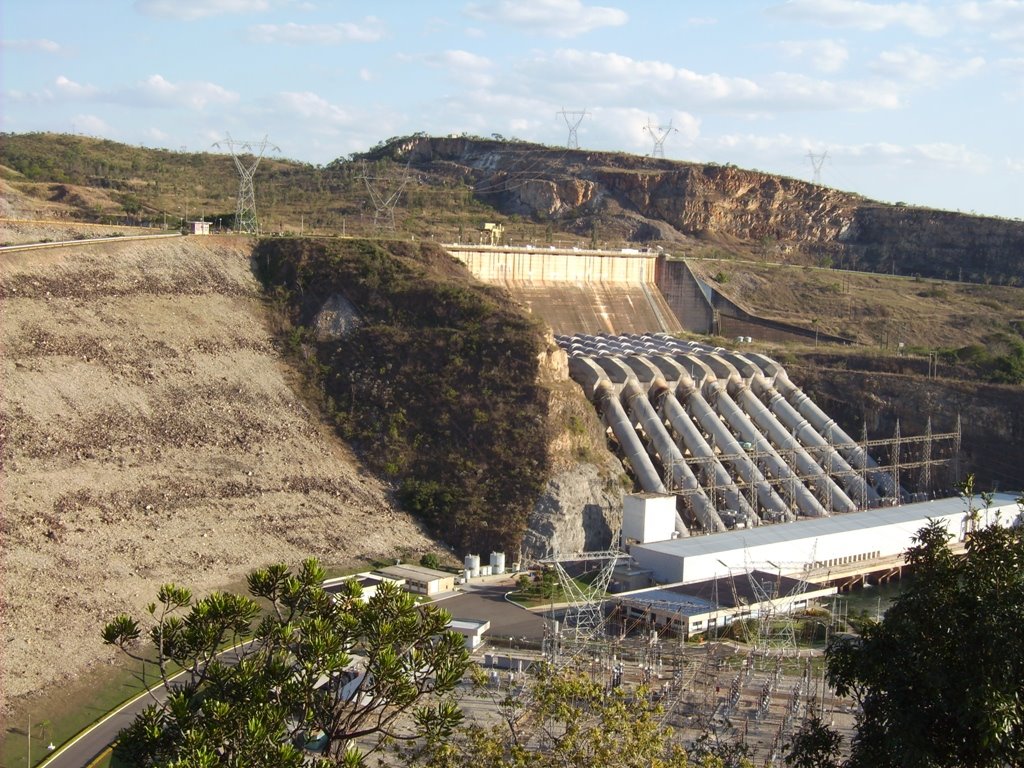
[{"x": 152, "y": 431}]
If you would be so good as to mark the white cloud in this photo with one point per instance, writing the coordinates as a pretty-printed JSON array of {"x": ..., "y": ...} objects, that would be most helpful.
[
  {"x": 191, "y": 10},
  {"x": 467, "y": 67},
  {"x": 701, "y": 21},
  {"x": 154, "y": 91},
  {"x": 310, "y": 106},
  {"x": 161, "y": 137},
  {"x": 824, "y": 55},
  {"x": 90, "y": 124},
  {"x": 1002, "y": 19},
  {"x": 38, "y": 45},
  {"x": 908, "y": 63},
  {"x": 611, "y": 77},
  {"x": 75, "y": 90},
  {"x": 637, "y": 130},
  {"x": 859, "y": 14},
  {"x": 787, "y": 148},
  {"x": 369, "y": 31},
  {"x": 555, "y": 18},
  {"x": 365, "y": 75},
  {"x": 1016, "y": 166}
]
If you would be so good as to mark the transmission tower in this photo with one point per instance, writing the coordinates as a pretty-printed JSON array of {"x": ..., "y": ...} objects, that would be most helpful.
[
  {"x": 573, "y": 120},
  {"x": 384, "y": 194},
  {"x": 245, "y": 209},
  {"x": 659, "y": 133},
  {"x": 816, "y": 162},
  {"x": 584, "y": 609}
]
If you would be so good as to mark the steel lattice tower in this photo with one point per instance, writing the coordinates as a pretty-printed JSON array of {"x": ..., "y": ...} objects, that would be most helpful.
[
  {"x": 573, "y": 120},
  {"x": 384, "y": 203},
  {"x": 659, "y": 133},
  {"x": 245, "y": 209},
  {"x": 816, "y": 162}
]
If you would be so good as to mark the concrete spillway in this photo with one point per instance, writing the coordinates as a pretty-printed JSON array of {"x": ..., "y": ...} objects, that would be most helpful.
[
  {"x": 577, "y": 290},
  {"x": 729, "y": 433}
]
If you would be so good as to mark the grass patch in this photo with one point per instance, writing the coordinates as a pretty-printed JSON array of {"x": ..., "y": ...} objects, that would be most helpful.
[{"x": 66, "y": 710}]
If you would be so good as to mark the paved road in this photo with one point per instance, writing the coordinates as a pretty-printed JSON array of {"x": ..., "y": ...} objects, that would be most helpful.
[{"x": 84, "y": 748}]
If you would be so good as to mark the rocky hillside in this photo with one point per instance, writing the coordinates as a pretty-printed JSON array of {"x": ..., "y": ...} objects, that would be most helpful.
[
  {"x": 442, "y": 384},
  {"x": 721, "y": 207},
  {"x": 451, "y": 186}
]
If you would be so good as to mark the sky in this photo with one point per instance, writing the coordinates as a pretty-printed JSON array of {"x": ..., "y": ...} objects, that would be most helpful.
[{"x": 916, "y": 101}]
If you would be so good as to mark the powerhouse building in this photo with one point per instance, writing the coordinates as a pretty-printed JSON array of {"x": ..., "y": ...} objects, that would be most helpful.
[{"x": 823, "y": 543}]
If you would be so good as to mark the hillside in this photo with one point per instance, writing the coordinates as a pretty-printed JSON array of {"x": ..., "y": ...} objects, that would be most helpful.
[
  {"x": 446, "y": 188},
  {"x": 434, "y": 377},
  {"x": 153, "y": 431},
  {"x": 877, "y": 311}
]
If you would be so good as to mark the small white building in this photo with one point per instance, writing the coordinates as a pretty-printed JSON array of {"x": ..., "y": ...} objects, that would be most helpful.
[
  {"x": 199, "y": 227},
  {"x": 647, "y": 517},
  {"x": 471, "y": 630},
  {"x": 692, "y": 609},
  {"x": 422, "y": 581}
]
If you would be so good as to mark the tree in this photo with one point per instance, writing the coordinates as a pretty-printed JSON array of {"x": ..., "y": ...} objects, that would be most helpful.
[
  {"x": 565, "y": 720},
  {"x": 939, "y": 679},
  {"x": 814, "y": 745},
  {"x": 337, "y": 671},
  {"x": 430, "y": 560}
]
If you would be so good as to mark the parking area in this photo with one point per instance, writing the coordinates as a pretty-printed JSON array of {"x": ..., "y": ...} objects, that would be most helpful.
[{"x": 489, "y": 603}]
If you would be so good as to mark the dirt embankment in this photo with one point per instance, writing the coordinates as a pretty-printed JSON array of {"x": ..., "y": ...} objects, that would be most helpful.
[{"x": 151, "y": 433}]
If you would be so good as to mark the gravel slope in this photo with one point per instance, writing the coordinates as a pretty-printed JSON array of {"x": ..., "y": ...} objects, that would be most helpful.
[{"x": 149, "y": 434}]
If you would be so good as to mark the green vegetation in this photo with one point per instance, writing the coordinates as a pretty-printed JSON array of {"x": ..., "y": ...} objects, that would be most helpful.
[
  {"x": 293, "y": 684},
  {"x": 430, "y": 560},
  {"x": 939, "y": 678},
  {"x": 437, "y": 386},
  {"x": 1000, "y": 361},
  {"x": 571, "y": 721}
]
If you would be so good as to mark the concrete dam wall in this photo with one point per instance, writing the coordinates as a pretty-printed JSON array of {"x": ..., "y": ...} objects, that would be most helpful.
[
  {"x": 576, "y": 291},
  {"x": 728, "y": 433}
]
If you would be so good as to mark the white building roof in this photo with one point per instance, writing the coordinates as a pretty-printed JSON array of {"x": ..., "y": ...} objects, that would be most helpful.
[
  {"x": 781, "y": 533},
  {"x": 415, "y": 573}
]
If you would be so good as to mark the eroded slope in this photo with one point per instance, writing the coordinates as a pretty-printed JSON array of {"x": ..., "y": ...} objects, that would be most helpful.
[{"x": 151, "y": 433}]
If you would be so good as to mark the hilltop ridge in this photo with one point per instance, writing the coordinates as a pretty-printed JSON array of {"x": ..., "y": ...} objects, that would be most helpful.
[{"x": 540, "y": 193}]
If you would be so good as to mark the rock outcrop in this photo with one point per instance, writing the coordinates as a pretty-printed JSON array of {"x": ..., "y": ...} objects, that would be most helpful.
[
  {"x": 580, "y": 506},
  {"x": 645, "y": 199}
]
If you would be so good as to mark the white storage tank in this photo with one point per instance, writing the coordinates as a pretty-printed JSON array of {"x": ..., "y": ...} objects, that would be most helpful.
[
  {"x": 497, "y": 563},
  {"x": 467, "y": 574},
  {"x": 485, "y": 570},
  {"x": 472, "y": 564}
]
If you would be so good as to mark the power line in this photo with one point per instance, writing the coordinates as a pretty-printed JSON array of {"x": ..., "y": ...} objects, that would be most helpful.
[{"x": 383, "y": 203}]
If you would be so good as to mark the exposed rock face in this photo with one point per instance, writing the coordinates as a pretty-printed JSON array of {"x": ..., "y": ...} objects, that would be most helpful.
[
  {"x": 991, "y": 416},
  {"x": 336, "y": 318},
  {"x": 580, "y": 510},
  {"x": 645, "y": 198}
]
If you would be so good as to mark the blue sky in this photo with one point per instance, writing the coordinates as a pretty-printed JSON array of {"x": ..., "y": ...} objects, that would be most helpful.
[{"x": 913, "y": 101}]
